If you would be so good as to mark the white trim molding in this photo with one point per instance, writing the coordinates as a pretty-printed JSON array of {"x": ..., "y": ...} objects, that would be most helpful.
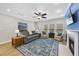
[{"x": 5, "y": 42}]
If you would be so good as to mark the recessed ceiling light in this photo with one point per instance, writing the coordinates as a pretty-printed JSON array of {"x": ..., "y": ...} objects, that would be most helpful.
[
  {"x": 8, "y": 10},
  {"x": 58, "y": 11}
]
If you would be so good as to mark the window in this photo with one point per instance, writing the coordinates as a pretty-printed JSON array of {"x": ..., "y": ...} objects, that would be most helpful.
[
  {"x": 59, "y": 28},
  {"x": 51, "y": 28}
]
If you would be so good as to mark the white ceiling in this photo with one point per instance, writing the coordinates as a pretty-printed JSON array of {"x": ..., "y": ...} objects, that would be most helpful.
[{"x": 26, "y": 10}]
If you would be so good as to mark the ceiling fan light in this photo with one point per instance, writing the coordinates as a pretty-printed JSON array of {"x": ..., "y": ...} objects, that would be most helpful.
[{"x": 39, "y": 17}]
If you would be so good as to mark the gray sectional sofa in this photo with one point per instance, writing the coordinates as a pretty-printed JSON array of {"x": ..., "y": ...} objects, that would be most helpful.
[{"x": 29, "y": 38}]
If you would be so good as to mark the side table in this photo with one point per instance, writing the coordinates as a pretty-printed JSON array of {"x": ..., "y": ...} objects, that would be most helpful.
[{"x": 17, "y": 41}]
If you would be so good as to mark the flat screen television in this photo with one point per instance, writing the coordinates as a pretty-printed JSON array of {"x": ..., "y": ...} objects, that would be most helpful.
[
  {"x": 73, "y": 18},
  {"x": 69, "y": 21}
]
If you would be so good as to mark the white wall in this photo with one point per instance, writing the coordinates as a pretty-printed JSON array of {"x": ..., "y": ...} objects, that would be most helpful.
[{"x": 8, "y": 25}]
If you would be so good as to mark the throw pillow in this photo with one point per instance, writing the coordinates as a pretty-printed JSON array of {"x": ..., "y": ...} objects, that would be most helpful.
[{"x": 30, "y": 32}]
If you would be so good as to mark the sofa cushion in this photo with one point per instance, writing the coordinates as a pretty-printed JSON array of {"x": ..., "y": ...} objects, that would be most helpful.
[
  {"x": 24, "y": 32},
  {"x": 30, "y": 32}
]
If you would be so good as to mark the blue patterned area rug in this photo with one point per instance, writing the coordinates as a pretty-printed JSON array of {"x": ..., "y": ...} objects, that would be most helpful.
[{"x": 40, "y": 47}]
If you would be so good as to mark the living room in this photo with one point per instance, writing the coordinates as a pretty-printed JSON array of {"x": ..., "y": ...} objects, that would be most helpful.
[{"x": 45, "y": 25}]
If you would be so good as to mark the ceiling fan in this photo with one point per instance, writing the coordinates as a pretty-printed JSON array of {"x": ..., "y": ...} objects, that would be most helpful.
[{"x": 40, "y": 15}]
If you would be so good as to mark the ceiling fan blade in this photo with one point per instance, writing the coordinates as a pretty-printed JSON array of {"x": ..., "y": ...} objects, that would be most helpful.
[
  {"x": 44, "y": 17},
  {"x": 44, "y": 14},
  {"x": 36, "y": 13}
]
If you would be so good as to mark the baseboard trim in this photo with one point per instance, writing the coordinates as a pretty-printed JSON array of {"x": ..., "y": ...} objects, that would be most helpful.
[{"x": 5, "y": 42}]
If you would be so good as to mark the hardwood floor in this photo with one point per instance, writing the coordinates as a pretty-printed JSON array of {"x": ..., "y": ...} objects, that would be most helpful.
[{"x": 8, "y": 50}]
